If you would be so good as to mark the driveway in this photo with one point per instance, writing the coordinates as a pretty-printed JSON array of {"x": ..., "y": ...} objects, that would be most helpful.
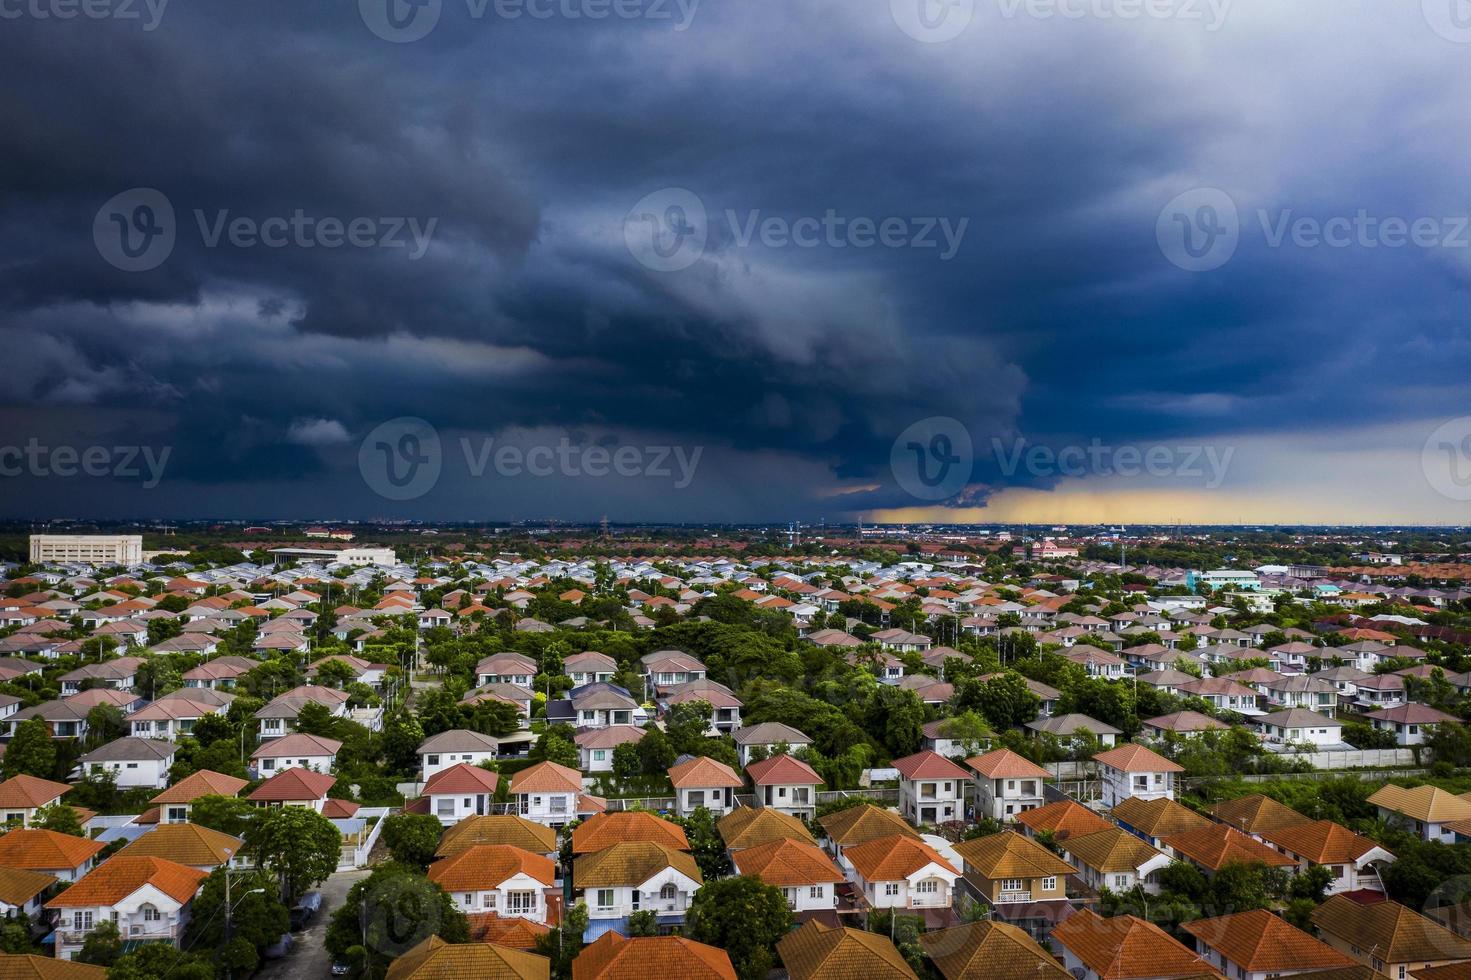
[{"x": 308, "y": 959}]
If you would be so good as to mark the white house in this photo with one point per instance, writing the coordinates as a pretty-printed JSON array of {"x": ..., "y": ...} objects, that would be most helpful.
[
  {"x": 506, "y": 668},
  {"x": 931, "y": 788},
  {"x": 900, "y": 872},
  {"x": 767, "y": 736},
  {"x": 1115, "y": 859},
  {"x": 148, "y": 898},
  {"x": 703, "y": 782},
  {"x": 1134, "y": 771},
  {"x": 787, "y": 784},
  {"x": 547, "y": 793},
  {"x": 22, "y": 795},
  {"x": 1006, "y": 784},
  {"x": 634, "y": 876},
  {"x": 595, "y": 746},
  {"x": 296, "y": 750},
  {"x": 589, "y": 667},
  {"x": 439, "y": 752},
  {"x": 807, "y": 877},
  {"x": 499, "y": 878},
  {"x": 134, "y": 762},
  {"x": 1351, "y": 857},
  {"x": 1410, "y": 722},
  {"x": 1296, "y": 725},
  {"x": 1258, "y": 945}
]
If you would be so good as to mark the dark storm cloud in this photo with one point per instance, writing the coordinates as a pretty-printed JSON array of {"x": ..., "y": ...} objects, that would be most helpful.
[{"x": 527, "y": 141}]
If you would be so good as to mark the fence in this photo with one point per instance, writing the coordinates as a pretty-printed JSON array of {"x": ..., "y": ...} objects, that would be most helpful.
[
  {"x": 1357, "y": 758},
  {"x": 361, "y": 852}
]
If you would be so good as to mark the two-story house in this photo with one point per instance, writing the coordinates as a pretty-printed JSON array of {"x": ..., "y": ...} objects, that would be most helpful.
[
  {"x": 297, "y": 750},
  {"x": 173, "y": 804},
  {"x": 294, "y": 787},
  {"x": 785, "y": 783},
  {"x": 854, "y": 825},
  {"x": 547, "y": 793},
  {"x": 704, "y": 782},
  {"x": 1122, "y": 947},
  {"x": 589, "y": 667},
  {"x": 1353, "y": 859},
  {"x": 807, "y": 877},
  {"x": 634, "y": 876},
  {"x": 601, "y": 705},
  {"x": 62, "y": 856},
  {"x": 22, "y": 795},
  {"x": 1397, "y": 942},
  {"x": 666, "y": 668},
  {"x": 1115, "y": 859},
  {"x": 1022, "y": 882},
  {"x": 1006, "y": 784},
  {"x": 1156, "y": 821},
  {"x": 931, "y": 788},
  {"x": 460, "y": 791},
  {"x": 148, "y": 898},
  {"x": 767, "y": 738},
  {"x": 900, "y": 872},
  {"x": 506, "y": 668},
  {"x": 189, "y": 844},
  {"x": 176, "y": 714},
  {"x": 499, "y": 878},
  {"x": 278, "y": 717},
  {"x": 1426, "y": 810},
  {"x": 1133, "y": 770},
  {"x": 595, "y": 746},
  {"x": 1258, "y": 945},
  {"x": 725, "y": 707},
  {"x": 449, "y": 748}
]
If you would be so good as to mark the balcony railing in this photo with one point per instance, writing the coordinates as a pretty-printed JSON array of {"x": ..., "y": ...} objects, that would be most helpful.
[{"x": 1025, "y": 896}]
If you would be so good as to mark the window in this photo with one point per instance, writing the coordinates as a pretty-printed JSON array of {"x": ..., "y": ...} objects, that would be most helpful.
[
  {"x": 82, "y": 920},
  {"x": 669, "y": 892},
  {"x": 489, "y": 900},
  {"x": 697, "y": 797},
  {"x": 431, "y": 760},
  {"x": 927, "y": 887},
  {"x": 1049, "y": 884},
  {"x": 521, "y": 903},
  {"x": 1121, "y": 881},
  {"x": 891, "y": 888},
  {"x": 815, "y": 891},
  {"x": 1013, "y": 884},
  {"x": 605, "y": 898},
  {"x": 151, "y": 914},
  {"x": 598, "y": 755}
]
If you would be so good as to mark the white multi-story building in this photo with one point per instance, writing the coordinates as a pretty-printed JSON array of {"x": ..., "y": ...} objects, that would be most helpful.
[
  {"x": 1134, "y": 771},
  {"x": 90, "y": 549}
]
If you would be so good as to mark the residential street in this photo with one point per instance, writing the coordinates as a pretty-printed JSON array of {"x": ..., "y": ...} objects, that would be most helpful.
[{"x": 309, "y": 958}]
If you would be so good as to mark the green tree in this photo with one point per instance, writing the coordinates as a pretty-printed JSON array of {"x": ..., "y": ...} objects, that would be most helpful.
[
  {"x": 644, "y": 922},
  {"x": 299, "y": 845},
  {"x": 258, "y": 919},
  {"x": 31, "y": 751},
  {"x": 389, "y": 913},
  {"x": 743, "y": 916},
  {"x": 1004, "y": 701},
  {"x": 103, "y": 945},
  {"x": 227, "y": 814},
  {"x": 564, "y": 943},
  {"x": 60, "y": 818},
  {"x": 412, "y": 838},
  {"x": 15, "y": 938},
  {"x": 155, "y": 960}
]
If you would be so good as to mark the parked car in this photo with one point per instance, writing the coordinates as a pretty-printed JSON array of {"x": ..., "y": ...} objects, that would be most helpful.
[
  {"x": 305, "y": 910},
  {"x": 340, "y": 969}
]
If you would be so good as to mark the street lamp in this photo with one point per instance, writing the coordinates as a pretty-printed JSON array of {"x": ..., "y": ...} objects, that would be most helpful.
[{"x": 229, "y": 912}]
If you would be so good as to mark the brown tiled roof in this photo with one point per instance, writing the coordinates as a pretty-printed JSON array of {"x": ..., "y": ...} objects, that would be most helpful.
[
  {"x": 1429, "y": 804},
  {"x": 34, "y": 849},
  {"x": 27, "y": 966},
  {"x": 703, "y": 771},
  {"x": 1260, "y": 941},
  {"x": 631, "y": 863},
  {"x": 18, "y": 886},
  {"x": 435, "y": 959},
  {"x": 1356, "y": 972},
  {"x": 1450, "y": 971},
  {"x": 929, "y": 765},
  {"x": 547, "y": 777},
  {"x": 749, "y": 826},
  {"x": 864, "y": 822},
  {"x": 1122, "y": 946},
  {"x": 1321, "y": 841},
  {"x": 27, "y": 791},
  {"x": 782, "y": 770},
  {"x": 485, "y": 866},
  {"x": 511, "y": 930},
  {"x": 1136, "y": 758},
  {"x": 1114, "y": 849},
  {"x": 1063, "y": 819},
  {"x": 1218, "y": 845},
  {"x": 498, "y": 828},
  {"x": 1159, "y": 817},
  {"x": 290, "y": 785},
  {"x": 205, "y": 782},
  {"x": 1398, "y": 934},
  {"x": 1255, "y": 813},
  {"x": 1010, "y": 855},
  {"x": 894, "y": 858},
  {"x": 186, "y": 843},
  {"x": 616, "y": 957},
  {"x": 1006, "y": 764},
  {"x": 994, "y": 950},
  {"x": 118, "y": 877},
  {"x": 819, "y": 952},
  {"x": 462, "y": 778},
  {"x": 607, "y": 829},
  {"x": 787, "y": 863}
]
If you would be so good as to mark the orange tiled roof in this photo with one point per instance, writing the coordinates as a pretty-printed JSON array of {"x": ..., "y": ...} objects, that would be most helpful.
[
  {"x": 749, "y": 826},
  {"x": 1010, "y": 855},
  {"x": 893, "y": 858},
  {"x": 787, "y": 863},
  {"x": 435, "y": 959},
  {"x": 1260, "y": 941},
  {"x": 615, "y": 957},
  {"x": 512, "y": 931},
  {"x": 497, "y": 828},
  {"x": 34, "y": 849},
  {"x": 547, "y": 777},
  {"x": 1063, "y": 819},
  {"x": 24, "y": 791},
  {"x": 782, "y": 770},
  {"x": 1256, "y": 813},
  {"x": 1122, "y": 947},
  {"x": 819, "y": 952},
  {"x": 186, "y": 843},
  {"x": 1321, "y": 841},
  {"x": 929, "y": 765},
  {"x": 702, "y": 771},
  {"x": 1136, "y": 758},
  {"x": 205, "y": 782},
  {"x": 27, "y": 966},
  {"x": 1006, "y": 764},
  {"x": 485, "y": 866},
  {"x": 607, "y": 829},
  {"x": 290, "y": 785},
  {"x": 1218, "y": 845},
  {"x": 462, "y": 778},
  {"x": 118, "y": 877},
  {"x": 994, "y": 950},
  {"x": 1160, "y": 817},
  {"x": 864, "y": 822}
]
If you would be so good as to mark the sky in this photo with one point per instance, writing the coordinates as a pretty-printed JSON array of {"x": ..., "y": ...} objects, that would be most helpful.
[{"x": 736, "y": 260}]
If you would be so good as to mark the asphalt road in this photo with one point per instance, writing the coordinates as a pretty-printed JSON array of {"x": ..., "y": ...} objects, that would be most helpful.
[{"x": 308, "y": 959}]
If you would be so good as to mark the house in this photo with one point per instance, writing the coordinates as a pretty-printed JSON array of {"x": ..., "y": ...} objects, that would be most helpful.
[
  {"x": 595, "y": 745},
  {"x": 666, "y": 668},
  {"x": 770, "y": 738},
  {"x": 589, "y": 667},
  {"x": 1392, "y": 939},
  {"x": 1255, "y": 814},
  {"x": 187, "y": 843},
  {"x": 22, "y": 795},
  {"x": 506, "y": 668},
  {"x": 1122, "y": 948},
  {"x": 1258, "y": 945},
  {"x": 148, "y": 898},
  {"x": 807, "y": 877},
  {"x": 518, "y": 697},
  {"x": 1379, "y": 691},
  {"x": 725, "y": 707},
  {"x": 294, "y": 787},
  {"x": 633, "y": 876},
  {"x": 606, "y": 829},
  {"x": 497, "y": 878},
  {"x": 1349, "y": 856},
  {"x": 994, "y": 950},
  {"x": 23, "y": 897},
  {"x": 64, "y": 719},
  {"x": 1115, "y": 859},
  {"x": 62, "y": 856},
  {"x": 1294, "y": 726},
  {"x": 434, "y": 959},
  {"x": 1157, "y": 820},
  {"x": 1065, "y": 727},
  {"x": 452, "y": 747},
  {"x": 174, "y": 715},
  {"x": 854, "y": 825},
  {"x": 704, "y": 782},
  {"x": 613, "y": 956},
  {"x": 1062, "y": 820},
  {"x": 1020, "y": 880},
  {"x": 787, "y": 784},
  {"x": 1410, "y": 723},
  {"x": 601, "y": 705},
  {"x": 1212, "y": 847},
  {"x": 1135, "y": 771},
  {"x": 1223, "y": 694},
  {"x": 173, "y": 804},
  {"x": 900, "y": 872},
  {"x": 222, "y": 673},
  {"x": 547, "y": 793},
  {"x": 823, "y": 952},
  {"x": 902, "y": 641},
  {"x": 931, "y": 788},
  {"x": 460, "y": 791},
  {"x": 134, "y": 762},
  {"x": 1006, "y": 784},
  {"x": 747, "y": 826},
  {"x": 1303, "y": 691},
  {"x": 297, "y": 750},
  {"x": 1425, "y": 809},
  {"x": 278, "y": 717},
  {"x": 497, "y": 828},
  {"x": 118, "y": 673},
  {"x": 1181, "y": 724}
]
